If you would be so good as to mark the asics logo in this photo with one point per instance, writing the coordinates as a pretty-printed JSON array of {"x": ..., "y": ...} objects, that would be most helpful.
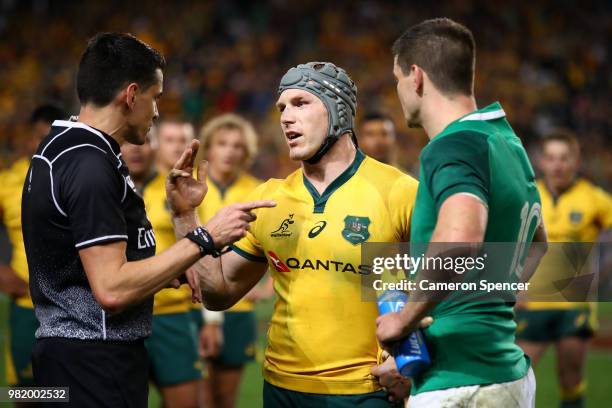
[{"x": 316, "y": 230}]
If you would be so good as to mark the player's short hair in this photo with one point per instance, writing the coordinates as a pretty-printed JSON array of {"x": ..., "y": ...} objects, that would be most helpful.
[
  {"x": 110, "y": 62},
  {"x": 561, "y": 135},
  {"x": 153, "y": 135},
  {"x": 47, "y": 113},
  {"x": 444, "y": 49},
  {"x": 230, "y": 121},
  {"x": 375, "y": 115}
]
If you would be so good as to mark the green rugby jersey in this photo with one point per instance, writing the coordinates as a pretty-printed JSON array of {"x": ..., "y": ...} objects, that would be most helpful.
[{"x": 473, "y": 342}]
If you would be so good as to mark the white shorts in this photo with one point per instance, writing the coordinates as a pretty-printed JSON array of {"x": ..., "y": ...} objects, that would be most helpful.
[{"x": 513, "y": 394}]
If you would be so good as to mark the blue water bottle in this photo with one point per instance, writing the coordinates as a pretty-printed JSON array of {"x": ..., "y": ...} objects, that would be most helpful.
[{"x": 411, "y": 356}]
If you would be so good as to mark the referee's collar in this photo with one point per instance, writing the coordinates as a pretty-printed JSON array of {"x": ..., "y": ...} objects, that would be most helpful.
[{"x": 80, "y": 125}]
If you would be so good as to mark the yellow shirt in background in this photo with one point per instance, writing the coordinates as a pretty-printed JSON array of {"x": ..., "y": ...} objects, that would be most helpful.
[
  {"x": 579, "y": 214},
  {"x": 168, "y": 300},
  {"x": 11, "y": 186},
  {"x": 217, "y": 198}
]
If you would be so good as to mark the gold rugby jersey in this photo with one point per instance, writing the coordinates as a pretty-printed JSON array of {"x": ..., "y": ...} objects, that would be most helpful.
[
  {"x": 322, "y": 335},
  {"x": 579, "y": 214}
]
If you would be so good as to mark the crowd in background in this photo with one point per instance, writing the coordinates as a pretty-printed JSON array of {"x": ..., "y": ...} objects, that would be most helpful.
[{"x": 547, "y": 62}]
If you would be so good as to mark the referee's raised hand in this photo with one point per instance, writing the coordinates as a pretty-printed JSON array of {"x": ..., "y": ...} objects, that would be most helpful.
[{"x": 185, "y": 193}]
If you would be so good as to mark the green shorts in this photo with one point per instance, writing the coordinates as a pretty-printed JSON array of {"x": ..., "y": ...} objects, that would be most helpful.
[
  {"x": 239, "y": 334},
  {"x": 276, "y": 397},
  {"x": 173, "y": 350},
  {"x": 23, "y": 325},
  {"x": 196, "y": 316},
  {"x": 553, "y": 325}
]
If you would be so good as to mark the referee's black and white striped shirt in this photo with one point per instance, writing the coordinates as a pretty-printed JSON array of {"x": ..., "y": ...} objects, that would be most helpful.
[{"x": 78, "y": 194}]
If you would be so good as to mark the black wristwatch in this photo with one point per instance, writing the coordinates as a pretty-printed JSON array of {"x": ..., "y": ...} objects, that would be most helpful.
[{"x": 204, "y": 240}]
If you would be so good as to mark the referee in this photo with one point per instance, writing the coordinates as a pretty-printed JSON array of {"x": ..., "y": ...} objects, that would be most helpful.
[{"x": 89, "y": 244}]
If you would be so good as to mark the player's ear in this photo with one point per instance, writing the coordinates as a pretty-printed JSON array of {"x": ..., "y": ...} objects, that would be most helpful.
[
  {"x": 130, "y": 95},
  {"x": 418, "y": 76}
]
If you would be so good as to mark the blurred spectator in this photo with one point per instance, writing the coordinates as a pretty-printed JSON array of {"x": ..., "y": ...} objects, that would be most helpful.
[
  {"x": 548, "y": 64},
  {"x": 376, "y": 137}
]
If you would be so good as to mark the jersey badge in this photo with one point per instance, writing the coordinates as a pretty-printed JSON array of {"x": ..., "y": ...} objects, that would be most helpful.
[
  {"x": 575, "y": 217},
  {"x": 356, "y": 229}
]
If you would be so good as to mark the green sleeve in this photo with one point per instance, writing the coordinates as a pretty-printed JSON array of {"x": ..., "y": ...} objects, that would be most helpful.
[{"x": 457, "y": 163}]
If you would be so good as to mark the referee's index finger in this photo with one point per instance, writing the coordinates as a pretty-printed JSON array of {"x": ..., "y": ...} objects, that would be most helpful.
[{"x": 251, "y": 205}]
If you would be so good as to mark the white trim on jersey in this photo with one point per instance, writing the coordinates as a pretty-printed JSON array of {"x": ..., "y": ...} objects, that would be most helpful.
[
  {"x": 485, "y": 115},
  {"x": 72, "y": 124},
  {"x": 69, "y": 124},
  {"x": 50, "y": 163},
  {"x": 89, "y": 241},
  {"x": 124, "y": 189},
  {"x": 103, "y": 325},
  {"x": 36, "y": 156},
  {"x": 75, "y": 147},
  {"x": 51, "y": 141},
  {"x": 470, "y": 195}
]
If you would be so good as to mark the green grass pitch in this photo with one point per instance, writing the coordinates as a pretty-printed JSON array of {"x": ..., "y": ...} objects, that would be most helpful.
[{"x": 598, "y": 367}]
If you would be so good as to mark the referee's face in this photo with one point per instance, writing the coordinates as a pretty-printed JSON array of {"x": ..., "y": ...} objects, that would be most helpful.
[{"x": 144, "y": 110}]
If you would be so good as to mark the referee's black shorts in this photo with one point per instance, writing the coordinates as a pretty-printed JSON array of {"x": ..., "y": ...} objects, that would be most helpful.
[{"x": 98, "y": 373}]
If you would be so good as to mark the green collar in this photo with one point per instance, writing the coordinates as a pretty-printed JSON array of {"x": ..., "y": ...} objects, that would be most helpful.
[
  {"x": 321, "y": 200},
  {"x": 222, "y": 189},
  {"x": 147, "y": 181},
  {"x": 490, "y": 112},
  {"x": 556, "y": 198}
]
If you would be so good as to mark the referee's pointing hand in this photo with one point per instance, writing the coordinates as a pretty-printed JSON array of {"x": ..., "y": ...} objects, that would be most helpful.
[{"x": 231, "y": 223}]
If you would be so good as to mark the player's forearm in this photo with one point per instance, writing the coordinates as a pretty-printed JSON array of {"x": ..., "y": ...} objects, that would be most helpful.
[
  {"x": 7, "y": 271},
  {"x": 261, "y": 291},
  {"x": 534, "y": 256},
  {"x": 216, "y": 294},
  {"x": 447, "y": 241},
  {"x": 212, "y": 284},
  {"x": 415, "y": 312},
  {"x": 536, "y": 252},
  {"x": 11, "y": 283},
  {"x": 226, "y": 280}
]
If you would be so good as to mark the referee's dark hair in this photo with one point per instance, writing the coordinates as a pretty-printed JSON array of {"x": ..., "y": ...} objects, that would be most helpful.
[
  {"x": 47, "y": 113},
  {"x": 112, "y": 61},
  {"x": 444, "y": 49}
]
